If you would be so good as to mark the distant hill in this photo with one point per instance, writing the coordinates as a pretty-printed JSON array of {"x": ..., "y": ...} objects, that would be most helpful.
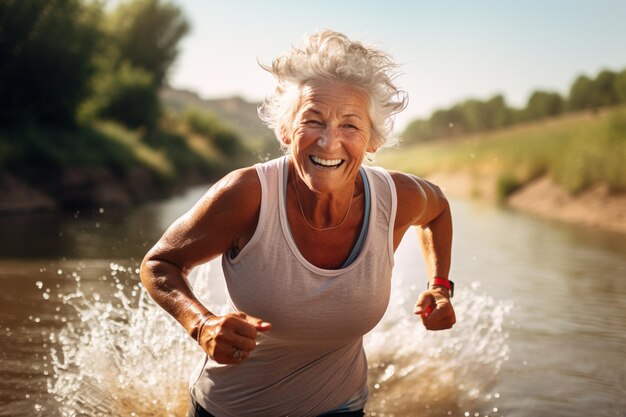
[{"x": 235, "y": 112}]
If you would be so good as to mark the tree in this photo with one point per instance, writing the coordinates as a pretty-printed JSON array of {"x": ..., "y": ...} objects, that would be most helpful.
[
  {"x": 581, "y": 94},
  {"x": 544, "y": 104},
  {"x": 142, "y": 43},
  {"x": 129, "y": 97},
  {"x": 604, "y": 91},
  {"x": 418, "y": 130},
  {"x": 586, "y": 93},
  {"x": 619, "y": 86},
  {"x": 146, "y": 34},
  {"x": 468, "y": 116},
  {"x": 446, "y": 122},
  {"x": 499, "y": 114},
  {"x": 47, "y": 49},
  {"x": 477, "y": 115}
]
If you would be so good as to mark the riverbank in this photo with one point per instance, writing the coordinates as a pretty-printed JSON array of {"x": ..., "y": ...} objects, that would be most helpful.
[
  {"x": 104, "y": 164},
  {"x": 595, "y": 207},
  {"x": 89, "y": 187},
  {"x": 569, "y": 168}
]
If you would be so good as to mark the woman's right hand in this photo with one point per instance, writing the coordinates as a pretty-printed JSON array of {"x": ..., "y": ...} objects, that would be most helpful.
[{"x": 229, "y": 339}]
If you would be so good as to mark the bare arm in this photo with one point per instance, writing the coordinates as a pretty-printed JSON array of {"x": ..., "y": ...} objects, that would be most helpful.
[
  {"x": 223, "y": 219},
  {"x": 423, "y": 204},
  {"x": 434, "y": 229}
]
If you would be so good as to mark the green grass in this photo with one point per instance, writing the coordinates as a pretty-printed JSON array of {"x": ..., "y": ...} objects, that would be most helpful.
[
  {"x": 42, "y": 153},
  {"x": 132, "y": 146},
  {"x": 38, "y": 152},
  {"x": 577, "y": 151}
]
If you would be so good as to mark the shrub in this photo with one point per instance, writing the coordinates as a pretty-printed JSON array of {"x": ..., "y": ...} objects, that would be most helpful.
[{"x": 506, "y": 185}]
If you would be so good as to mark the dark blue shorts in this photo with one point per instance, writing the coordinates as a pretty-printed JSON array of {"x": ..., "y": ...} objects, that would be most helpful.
[{"x": 196, "y": 410}]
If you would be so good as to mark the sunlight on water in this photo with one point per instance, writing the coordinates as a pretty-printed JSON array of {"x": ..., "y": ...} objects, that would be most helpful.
[
  {"x": 126, "y": 357},
  {"x": 417, "y": 372}
]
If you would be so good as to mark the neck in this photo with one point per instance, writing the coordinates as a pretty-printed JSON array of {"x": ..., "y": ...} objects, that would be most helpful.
[{"x": 323, "y": 211}]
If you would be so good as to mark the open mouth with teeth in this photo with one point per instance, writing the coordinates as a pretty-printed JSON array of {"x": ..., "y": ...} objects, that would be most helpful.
[{"x": 326, "y": 163}]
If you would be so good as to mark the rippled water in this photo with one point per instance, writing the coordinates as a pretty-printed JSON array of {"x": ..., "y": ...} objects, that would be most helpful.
[{"x": 541, "y": 332}]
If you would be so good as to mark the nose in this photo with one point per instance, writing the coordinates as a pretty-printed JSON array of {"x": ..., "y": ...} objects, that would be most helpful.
[{"x": 329, "y": 139}]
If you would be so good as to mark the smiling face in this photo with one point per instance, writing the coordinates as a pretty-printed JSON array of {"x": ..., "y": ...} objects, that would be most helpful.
[{"x": 330, "y": 134}]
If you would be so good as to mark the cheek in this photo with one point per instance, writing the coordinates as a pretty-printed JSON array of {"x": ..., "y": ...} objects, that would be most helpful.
[
  {"x": 359, "y": 142},
  {"x": 305, "y": 136}
]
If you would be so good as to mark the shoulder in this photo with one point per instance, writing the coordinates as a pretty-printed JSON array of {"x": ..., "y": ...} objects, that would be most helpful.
[
  {"x": 419, "y": 200},
  {"x": 407, "y": 185},
  {"x": 236, "y": 194},
  {"x": 227, "y": 210},
  {"x": 226, "y": 214},
  {"x": 243, "y": 179}
]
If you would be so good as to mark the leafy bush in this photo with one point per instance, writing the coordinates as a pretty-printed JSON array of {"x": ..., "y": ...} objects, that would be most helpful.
[
  {"x": 209, "y": 127},
  {"x": 43, "y": 151},
  {"x": 48, "y": 50},
  {"x": 506, "y": 185},
  {"x": 126, "y": 96}
]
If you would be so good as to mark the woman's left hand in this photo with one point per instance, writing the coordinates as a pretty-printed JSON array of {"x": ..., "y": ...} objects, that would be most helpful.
[{"x": 436, "y": 310}]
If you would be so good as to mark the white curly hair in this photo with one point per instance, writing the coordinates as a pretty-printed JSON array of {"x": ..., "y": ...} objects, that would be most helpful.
[{"x": 329, "y": 55}]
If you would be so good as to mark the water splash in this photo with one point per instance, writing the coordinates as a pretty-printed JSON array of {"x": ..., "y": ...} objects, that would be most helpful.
[
  {"x": 125, "y": 357},
  {"x": 416, "y": 372}
]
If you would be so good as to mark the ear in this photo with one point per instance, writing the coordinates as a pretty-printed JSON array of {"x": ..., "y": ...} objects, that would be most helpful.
[
  {"x": 284, "y": 136},
  {"x": 370, "y": 147}
]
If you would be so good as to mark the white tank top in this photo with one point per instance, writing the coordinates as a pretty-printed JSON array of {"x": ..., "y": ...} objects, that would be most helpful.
[{"x": 312, "y": 361}]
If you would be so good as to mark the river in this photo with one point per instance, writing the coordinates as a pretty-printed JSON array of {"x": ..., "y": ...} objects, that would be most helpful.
[{"x": 541, "y": 330}]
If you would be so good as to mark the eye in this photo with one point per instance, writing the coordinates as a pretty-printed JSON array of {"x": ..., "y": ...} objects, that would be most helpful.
[
  {"x": 312, "y": 123},
  {"x": 350, "y": 126}
]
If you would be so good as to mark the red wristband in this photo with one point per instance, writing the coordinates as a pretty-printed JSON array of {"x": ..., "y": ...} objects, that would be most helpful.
[{"x": 443, "y": 282}]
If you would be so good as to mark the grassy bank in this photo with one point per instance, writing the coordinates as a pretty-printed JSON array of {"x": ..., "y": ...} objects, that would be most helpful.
[
  {"x": 40, "y": 151},
  {"x": 576, "y": 151},
  {"x": 103, "y": 163},
  {"x": 37, "y": 152}
]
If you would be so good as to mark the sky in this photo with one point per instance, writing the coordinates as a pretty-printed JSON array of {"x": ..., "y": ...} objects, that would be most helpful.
[{"x": 448, "y": 51}]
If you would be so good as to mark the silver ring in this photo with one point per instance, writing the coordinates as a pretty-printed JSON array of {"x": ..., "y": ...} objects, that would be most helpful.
[{"x": 237, "y": 354}]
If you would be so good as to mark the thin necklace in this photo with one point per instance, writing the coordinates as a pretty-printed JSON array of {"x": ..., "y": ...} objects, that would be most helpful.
[{"x": 321, "y": 229}]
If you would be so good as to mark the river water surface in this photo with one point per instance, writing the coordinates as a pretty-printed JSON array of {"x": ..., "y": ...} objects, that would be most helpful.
[{"x": 541, "y": 330}]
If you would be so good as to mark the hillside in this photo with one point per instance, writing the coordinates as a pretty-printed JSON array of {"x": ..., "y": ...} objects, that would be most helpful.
[
  {"x": 570, "y": 167},
  {"x": 236, "y": 113},
  {"x": 104, "y": 164}
]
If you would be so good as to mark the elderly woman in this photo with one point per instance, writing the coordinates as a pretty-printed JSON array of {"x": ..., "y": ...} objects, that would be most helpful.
[{"x": 307, "y": 243}]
